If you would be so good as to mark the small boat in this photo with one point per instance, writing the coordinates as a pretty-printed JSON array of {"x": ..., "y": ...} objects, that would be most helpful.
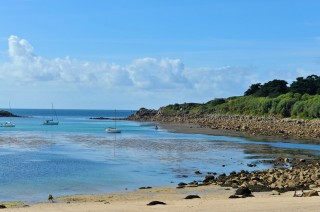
[
  {"x": 113, "y": 130},
  {"x": 7, "y": 124},
  {"x": 51, "y": 121}
]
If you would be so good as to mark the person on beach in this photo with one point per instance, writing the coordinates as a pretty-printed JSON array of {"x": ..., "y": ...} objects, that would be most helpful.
[{"x": 50, "y": 198}]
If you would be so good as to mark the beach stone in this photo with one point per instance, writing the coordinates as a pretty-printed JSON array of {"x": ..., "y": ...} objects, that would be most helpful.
[
  {"x": 50, "y": 197},
  {"x": 275, "y": 192},
  {"x": 148, "y": 187},
  {"x": 234, "y": 197},
  {"x": 192, "y": 196},
  {"x": 197, "y": 172},
  {"x": 156, "y": 203},
  {"x": 245, "y": 191},
  {"x": 2, "y": 206},
  {"x": 182, "y": 184},
  {"x": 313, "y": 186},
  {"x": 208, "y": 179}
]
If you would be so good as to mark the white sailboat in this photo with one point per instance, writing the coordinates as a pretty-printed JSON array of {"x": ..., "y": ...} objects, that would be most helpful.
[
  {"x": 52, "y": 121},
  {"x": 8, "y": 123},
  {"x": 113, "y": 130}
]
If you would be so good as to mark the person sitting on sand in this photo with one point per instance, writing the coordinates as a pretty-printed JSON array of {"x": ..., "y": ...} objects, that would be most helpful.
[{"x": 300, "y": 194}]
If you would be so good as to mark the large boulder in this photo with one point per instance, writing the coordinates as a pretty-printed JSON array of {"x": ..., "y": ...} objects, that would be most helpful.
[{"x": 244, "y": 191}]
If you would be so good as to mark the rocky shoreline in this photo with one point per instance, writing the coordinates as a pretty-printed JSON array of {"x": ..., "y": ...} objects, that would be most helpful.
[
  {"x": 256, "y": 126},
  {"x": 301, "y": 175},
  {"x": 293, "y": 173}
]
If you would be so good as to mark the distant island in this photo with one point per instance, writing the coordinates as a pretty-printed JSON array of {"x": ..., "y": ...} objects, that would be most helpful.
[
  {"x": 272, "y": 108},
  {"x": 4, "y": 113}
]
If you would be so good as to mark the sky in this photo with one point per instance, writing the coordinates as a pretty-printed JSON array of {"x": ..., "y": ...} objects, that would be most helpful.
[{"x": 127, "y": 54}]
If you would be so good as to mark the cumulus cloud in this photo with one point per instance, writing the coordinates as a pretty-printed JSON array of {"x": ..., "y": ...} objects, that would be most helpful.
[{"x": 143, "y": 74}]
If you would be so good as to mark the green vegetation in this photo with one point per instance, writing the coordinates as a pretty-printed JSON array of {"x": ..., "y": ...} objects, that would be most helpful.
[{"x": 272, "y": 99}]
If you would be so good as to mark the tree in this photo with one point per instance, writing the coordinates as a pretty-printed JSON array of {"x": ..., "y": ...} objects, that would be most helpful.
[
  {"x": 272, "y": 88},
  {"x": 253, "y": 89},
  {"x": 309, "y": 85}
]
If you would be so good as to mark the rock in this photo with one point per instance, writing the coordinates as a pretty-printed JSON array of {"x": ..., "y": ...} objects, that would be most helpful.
[
  {"x": 234, "y": 197},
  {"x": 245, "y": 191},
  {"x": 182, "y": 184},
  {"x": 192, "y": 196},
  {"x": 275, "y": 192},
  {"x": 251, "y": 165},
  {"x": 197, "y": 172},
  {"x": 156, "y": 203},
  {"x": 148, "y": 187},
  {"x": 208, "y": 179},
  {"x": 310, "y": 193},
  {"x": 2, "y": 206}
]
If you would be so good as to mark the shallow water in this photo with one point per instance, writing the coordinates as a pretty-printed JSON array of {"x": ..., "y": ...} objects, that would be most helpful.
[{"x": 78, "y": 157}]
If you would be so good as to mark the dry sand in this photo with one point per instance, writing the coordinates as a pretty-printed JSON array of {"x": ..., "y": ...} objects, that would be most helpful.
[{"x": 213, "y": 198}]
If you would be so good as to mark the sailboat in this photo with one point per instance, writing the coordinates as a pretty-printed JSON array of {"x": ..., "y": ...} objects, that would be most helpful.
[
  {"x": 51, "y": 121},
  {"x": 8, "y": 123},
  {"x": 113, "y": 130}
]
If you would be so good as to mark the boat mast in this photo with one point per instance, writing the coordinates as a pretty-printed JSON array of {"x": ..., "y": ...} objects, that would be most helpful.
[
  {"x": 115, "y": 119},
  {"x": 10, "y": 111}
]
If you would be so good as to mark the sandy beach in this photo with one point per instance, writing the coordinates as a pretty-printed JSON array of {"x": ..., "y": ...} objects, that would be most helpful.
[{"x": 212, "y": 198}]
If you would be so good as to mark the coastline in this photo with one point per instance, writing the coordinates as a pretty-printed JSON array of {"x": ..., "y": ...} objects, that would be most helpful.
[{"x": 267, "y": 128}]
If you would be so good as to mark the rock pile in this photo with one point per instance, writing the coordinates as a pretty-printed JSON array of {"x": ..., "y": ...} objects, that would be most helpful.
[{"x": 301, "y": 175}]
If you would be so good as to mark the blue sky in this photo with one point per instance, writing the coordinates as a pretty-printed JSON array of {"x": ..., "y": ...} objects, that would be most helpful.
[{"x": 141, "y": 53}]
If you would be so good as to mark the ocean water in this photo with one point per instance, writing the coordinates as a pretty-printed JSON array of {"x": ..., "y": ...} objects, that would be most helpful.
[{"x": 78, "y": 157}]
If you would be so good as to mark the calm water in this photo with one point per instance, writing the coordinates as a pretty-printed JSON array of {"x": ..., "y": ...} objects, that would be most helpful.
[{"x": 78, "y": 157}]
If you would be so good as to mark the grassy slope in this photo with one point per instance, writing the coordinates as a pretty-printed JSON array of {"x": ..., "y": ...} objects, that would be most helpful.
[{"x": 286, "y": 105}]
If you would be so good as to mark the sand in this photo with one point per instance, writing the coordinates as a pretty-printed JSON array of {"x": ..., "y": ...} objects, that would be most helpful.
[{"x": 213, "y": 198}]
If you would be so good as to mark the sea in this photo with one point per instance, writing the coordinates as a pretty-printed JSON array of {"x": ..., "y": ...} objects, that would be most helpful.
[{"x": 79, "y": 157}]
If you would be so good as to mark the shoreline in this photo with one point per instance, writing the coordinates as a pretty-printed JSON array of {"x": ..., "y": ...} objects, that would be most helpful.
[
  {"x": 191, "y": 128},
  {"x": 238, "y": 125},
  {"x": 211, "y": 196}
]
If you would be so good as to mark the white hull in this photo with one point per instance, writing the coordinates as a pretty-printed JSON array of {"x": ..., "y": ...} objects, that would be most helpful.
[
  {"x": 7, "y": 124},
  {"x": 112, "y": 130}
]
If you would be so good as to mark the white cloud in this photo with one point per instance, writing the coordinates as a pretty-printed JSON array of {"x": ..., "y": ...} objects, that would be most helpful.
[{"x": 143, "y": 78}]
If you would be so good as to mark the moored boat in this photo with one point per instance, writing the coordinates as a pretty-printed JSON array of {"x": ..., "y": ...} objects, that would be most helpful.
[
  {"x": 7, "y": 124},
  {"x": 113, "y": 130},
  {"x": 51, "y": 121}
]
